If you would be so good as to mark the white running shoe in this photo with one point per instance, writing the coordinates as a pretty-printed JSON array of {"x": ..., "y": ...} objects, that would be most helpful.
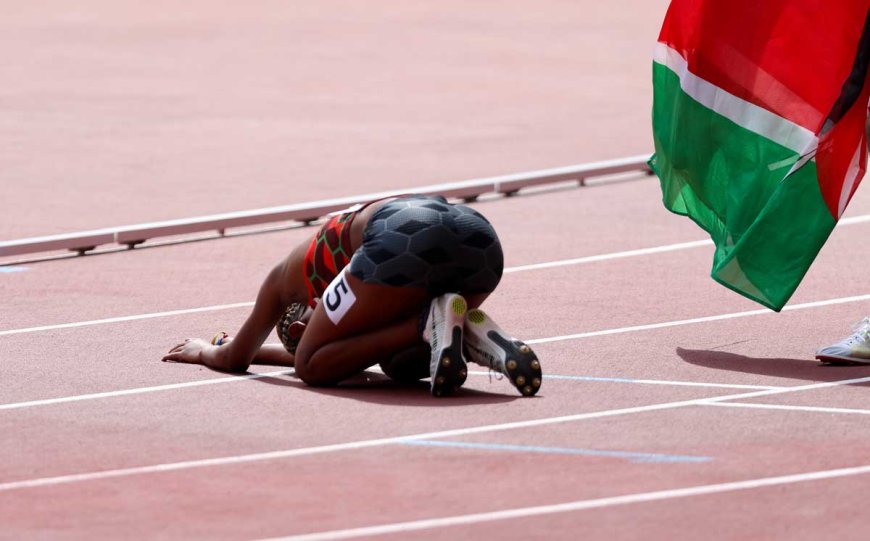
[
  {"x": 488, "y": 345},
  {"x": 854, "y": 348},
  {"x": 443, "y": 332}
]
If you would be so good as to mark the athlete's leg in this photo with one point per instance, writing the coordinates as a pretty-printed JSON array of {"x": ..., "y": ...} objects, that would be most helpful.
[
  {"x": 412, "y": 364},
  {"x": 417, "y": 244},
  {"x": 474, "y": 300},
  {"x": 408, "y": 365},
  {"x": 357, "y": 325}
]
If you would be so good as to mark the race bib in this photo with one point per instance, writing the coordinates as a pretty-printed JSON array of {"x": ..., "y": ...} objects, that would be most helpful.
[{"x": 338, "y": 298}]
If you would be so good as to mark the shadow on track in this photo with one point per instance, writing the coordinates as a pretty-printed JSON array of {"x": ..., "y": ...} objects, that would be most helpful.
[
  {"x": 802, "y": 369},
  {"x": 377, "y": 388}
]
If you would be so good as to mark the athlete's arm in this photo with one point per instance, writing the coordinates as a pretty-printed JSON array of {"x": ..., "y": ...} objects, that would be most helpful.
[
  {"x": 191, "y": 351},
  {"x": 238, "y": 354},
  {"x": 273, "y": 355},
  {"x": 281, "y": 287}
]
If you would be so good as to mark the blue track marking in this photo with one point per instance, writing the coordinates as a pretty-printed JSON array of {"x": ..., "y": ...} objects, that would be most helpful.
[
  {"x": 632, "y": 457},
  {"x": 592, "y": 378},
  {"x": 10, "y": 270}
]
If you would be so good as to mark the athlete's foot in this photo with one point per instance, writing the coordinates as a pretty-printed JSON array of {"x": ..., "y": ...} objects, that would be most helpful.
[
  {"x": 488, "y": 345},
  {"x": 855, "y": 348},
  {"x": 443, "y": 332}
]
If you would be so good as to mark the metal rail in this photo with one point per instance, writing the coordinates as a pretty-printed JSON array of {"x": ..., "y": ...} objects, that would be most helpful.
[{"x": 468, "y": 190}]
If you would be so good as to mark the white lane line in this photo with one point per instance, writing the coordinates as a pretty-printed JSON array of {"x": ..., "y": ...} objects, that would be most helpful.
[
  {"x": 603, "y": 257},
  {"x": 521, "y": 268},
  {"x": 650, "y": 382},
  {"x": 140, "y": 390},
  {"x": 535, "y": 341},
  {"x": 608, "y": 257},
  {"x": 782, "y": 407},
  {"x": 287, "y": 372},
  {"x": 619, "y": 330},
  {"x": 362, "y": 444},
  {"x": 602, "y": 379},
  {"x": 646, "y": 251},
  {"x": 784, "y": 390},
  {"x": 706, "y": 319},
  {"x": 596, "y": 333},
  {"x": 860, "y": 219},
  {"x": 578, "y": 505},
  {"x": 127, "y": 318}
]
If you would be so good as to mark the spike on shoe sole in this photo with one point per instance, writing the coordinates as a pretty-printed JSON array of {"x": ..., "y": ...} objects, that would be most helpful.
[{"x": 450, "y": 375}]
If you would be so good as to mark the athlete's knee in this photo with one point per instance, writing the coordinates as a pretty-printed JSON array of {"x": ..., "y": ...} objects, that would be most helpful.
[
  {"x": 307, "y": 369},
  {"x": 302, "y": 363}
]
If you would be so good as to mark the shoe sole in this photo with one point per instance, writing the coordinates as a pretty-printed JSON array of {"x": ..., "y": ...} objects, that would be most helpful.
[
  {"x": 841, "y": 359},
  {"x": 451, "y": 371},
  {"x": 520, "y": 362}
]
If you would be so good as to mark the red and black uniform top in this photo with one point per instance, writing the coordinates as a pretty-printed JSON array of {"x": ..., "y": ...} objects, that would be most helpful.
[{"x": 329, "y": 252}]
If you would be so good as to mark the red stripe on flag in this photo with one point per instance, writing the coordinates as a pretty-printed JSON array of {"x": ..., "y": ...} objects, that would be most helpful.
[
  {"x": 836, "y": 155},
  {"x": 787, "y": 56}
]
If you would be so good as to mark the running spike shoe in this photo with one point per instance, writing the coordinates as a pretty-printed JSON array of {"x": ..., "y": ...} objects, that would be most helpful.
[
  {"x": 855, "y": 348},
  {"x": 443, "y": 332},
  {"x": 488, "y": 345}
]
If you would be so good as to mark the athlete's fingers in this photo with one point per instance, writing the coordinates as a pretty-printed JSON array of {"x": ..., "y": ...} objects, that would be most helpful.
[
  {"x": 176, "y": 347},
  {"x": 177, "y": 357},
  {"x": 190, "y": 351},
  {"x": 179, "y": 347}
]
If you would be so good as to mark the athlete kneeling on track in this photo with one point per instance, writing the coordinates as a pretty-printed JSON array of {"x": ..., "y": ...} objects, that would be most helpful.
[{"x": 392, "y": 277}]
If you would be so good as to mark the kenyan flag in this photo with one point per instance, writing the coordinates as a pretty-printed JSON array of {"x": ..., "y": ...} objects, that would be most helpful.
[{"x": 758, "y": 118}]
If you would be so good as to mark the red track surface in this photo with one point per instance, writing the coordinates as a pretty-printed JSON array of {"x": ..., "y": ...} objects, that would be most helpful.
[{"x": 493, "y": 90}]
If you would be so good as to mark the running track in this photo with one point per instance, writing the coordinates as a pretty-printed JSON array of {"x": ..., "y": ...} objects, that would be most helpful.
[{"x": 671, "y": 409}]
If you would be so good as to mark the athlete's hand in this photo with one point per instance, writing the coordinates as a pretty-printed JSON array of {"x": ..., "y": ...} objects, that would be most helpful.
[{"x": 189, "y": 351}]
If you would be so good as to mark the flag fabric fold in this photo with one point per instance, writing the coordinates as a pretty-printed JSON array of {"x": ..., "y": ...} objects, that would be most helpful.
[{"x": 759, "y": 112}]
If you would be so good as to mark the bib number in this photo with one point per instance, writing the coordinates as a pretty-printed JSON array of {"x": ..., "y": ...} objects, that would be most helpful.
[{"x": 338, "y": 298}]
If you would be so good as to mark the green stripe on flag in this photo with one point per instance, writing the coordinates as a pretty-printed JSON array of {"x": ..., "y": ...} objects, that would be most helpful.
[{"x": 767, "y": 226}]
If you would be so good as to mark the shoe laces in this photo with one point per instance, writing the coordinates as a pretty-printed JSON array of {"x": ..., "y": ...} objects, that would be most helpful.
[
  {"x": 861, "y": 330},
  {"x": 498, "y": 375},
  {"x": 491, "y": 369}
]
